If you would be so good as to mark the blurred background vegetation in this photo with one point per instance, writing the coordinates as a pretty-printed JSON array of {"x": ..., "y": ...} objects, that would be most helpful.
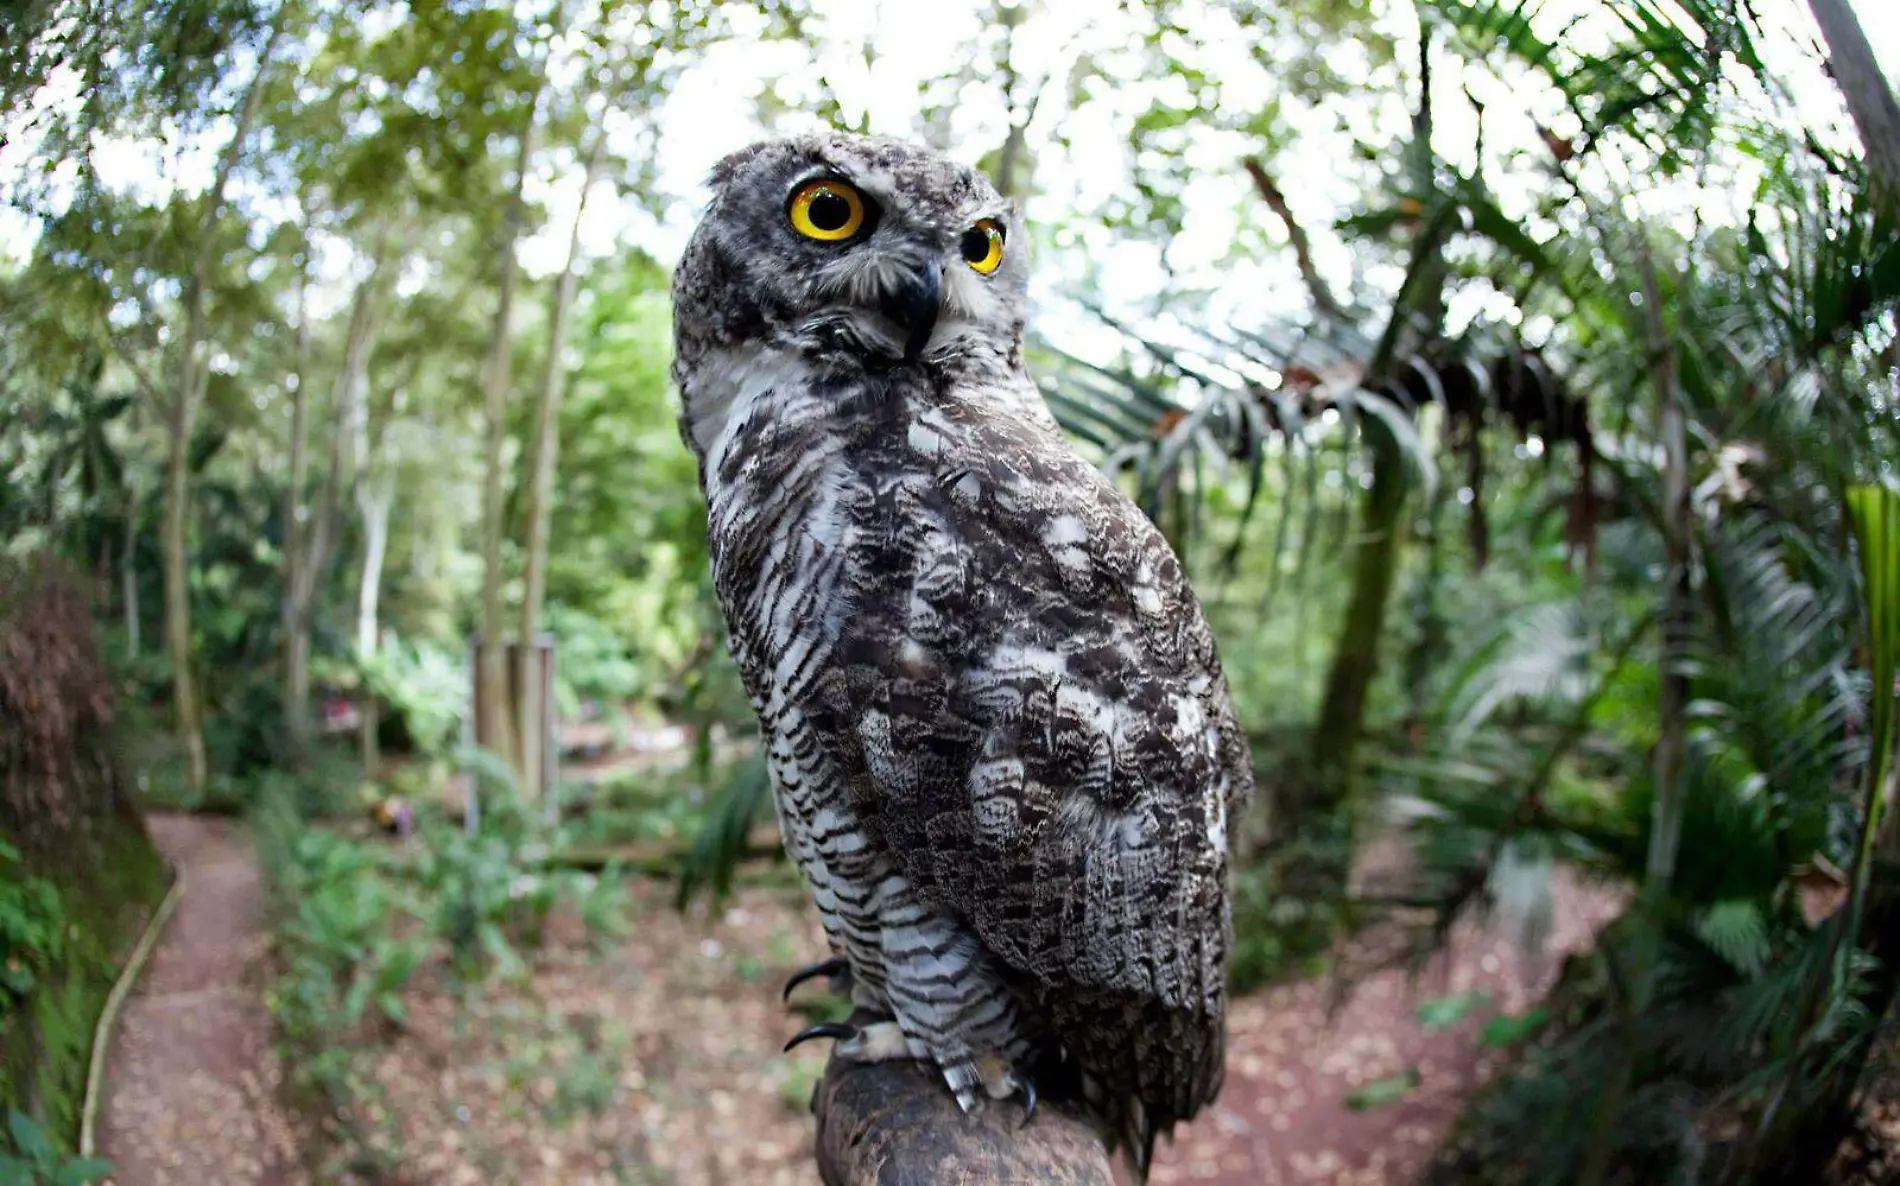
[{"x": 1517, "y": 381}]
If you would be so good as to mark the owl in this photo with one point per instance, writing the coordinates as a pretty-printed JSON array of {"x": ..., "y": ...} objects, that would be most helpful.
[{"x": 1002, "y": 750}]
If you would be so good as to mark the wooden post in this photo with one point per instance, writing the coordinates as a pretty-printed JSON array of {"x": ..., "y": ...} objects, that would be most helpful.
[
  {"x": 516, "y": 721},
  {"x": 896, "y": 1124},
  {"x": 531, "y": 700}
]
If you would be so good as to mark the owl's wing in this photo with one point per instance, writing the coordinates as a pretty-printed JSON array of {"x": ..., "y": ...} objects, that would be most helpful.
[{"x": 1034, "y": 709}]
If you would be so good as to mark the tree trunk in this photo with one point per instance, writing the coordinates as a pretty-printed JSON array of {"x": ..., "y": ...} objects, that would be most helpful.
[
  {"x": 129, "y": 569},
  {"x": 181, "y": 418},
  {"x": 894, "y": 1124},
  {"x": 1356, "y": 661},
  {"x": 1420, "y": 303},
  {"x": 1012, "y": 159},
  {"x": 541, "y": 471},
  {"x": 186, "y": 711},
  {"x": 297, "y": 721},
  {"x": 314, "y": 547},
  {"x": 492, "y": 684},
  {"x": 374, "y": 498},
  {"x": 1870, "y": 100}
]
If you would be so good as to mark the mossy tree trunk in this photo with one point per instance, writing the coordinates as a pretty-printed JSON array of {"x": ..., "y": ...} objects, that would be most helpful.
[
  {"x": 1375, "y": 566},
  {"x": 1417, "y": 311}
]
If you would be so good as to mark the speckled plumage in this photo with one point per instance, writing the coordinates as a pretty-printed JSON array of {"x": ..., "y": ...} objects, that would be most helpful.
[{"x": 1002, "y": 749}]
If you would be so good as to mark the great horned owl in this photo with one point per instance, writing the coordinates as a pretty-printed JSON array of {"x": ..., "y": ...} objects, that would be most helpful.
[{"x": 1002, "y": 750}]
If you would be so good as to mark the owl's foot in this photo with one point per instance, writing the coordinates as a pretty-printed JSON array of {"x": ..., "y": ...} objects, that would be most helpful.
[
  {"x": 880, "y": 1041},
  {"x": 1001, "y": 1081},
  {"x": 843, "y": 1033},
  {"x": 834, "y": 967}
]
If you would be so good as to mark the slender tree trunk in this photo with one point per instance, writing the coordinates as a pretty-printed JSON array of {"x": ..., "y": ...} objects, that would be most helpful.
[
  {"x": 128, "y": 567},
  {"x": 181, "y": 418},
  {"x": 1870, "y": 100},
  {"x": 1375, "y": 565},
  {"x": 297, "y": 721},
  {"x": 1012, "y": 160},
  {"x": 374, "y": 498},
  {"x": 1678, "y": 610},
  {"x": 315, "y": 544},
  {"x": 1420, "y": 302},
  {"x": 493, "y": 699},
  {"x": 187, "y": 714},
  {"x": 541, "y": 471}
]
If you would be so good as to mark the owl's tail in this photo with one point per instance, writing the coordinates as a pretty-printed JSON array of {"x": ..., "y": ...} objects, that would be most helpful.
[{"x": 1176, "y": 1068}]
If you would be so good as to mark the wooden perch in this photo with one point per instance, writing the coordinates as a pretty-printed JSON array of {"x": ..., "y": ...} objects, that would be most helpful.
[{"x": 896, "y": 1124}]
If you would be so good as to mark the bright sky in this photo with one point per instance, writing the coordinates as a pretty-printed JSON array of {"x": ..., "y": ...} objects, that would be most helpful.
[{"x": 707, "y": 116}]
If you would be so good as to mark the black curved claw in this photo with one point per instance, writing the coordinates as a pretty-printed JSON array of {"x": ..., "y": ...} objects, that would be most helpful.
[
  {"x": 828, "y": 967},
  {"x": 843, "y": 1033},
  {"x": 1029, "y": 1099}
]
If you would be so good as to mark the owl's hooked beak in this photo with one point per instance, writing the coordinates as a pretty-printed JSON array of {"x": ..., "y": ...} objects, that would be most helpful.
[{"x": 914, "y": 303}]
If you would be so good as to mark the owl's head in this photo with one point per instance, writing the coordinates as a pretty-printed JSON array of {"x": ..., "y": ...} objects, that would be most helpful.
[{"x": 853, "y": 250}]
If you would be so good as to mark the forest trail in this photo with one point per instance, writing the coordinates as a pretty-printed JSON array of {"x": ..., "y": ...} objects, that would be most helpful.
[
  {"x": 192, "y": 1082},
  {"x": 1294, "y": 1063}
]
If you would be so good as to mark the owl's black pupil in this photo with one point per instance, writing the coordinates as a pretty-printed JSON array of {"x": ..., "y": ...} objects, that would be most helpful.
[
  {"x": 829, "y": 212},
  {"x": 976, "y": 245}
]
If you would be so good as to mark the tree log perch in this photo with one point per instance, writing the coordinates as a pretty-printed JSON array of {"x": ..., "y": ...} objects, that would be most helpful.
[{"x": 896, "y": 1124}]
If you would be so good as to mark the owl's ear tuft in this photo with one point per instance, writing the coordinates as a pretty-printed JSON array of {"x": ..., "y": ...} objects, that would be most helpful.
[{"x": 731, "y": 163}]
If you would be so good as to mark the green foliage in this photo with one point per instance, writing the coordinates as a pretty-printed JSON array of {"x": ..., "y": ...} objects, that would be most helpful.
[
  {"x": 1384, "y": 1092},
  {"x": 485, "y": 901},
  {"x": 596, "y": 663},
  {"x": 358, "y": 924},
  {"x": 744, "y": 799},
  {"x": 32, "y": 929},
  {"x": 346, "y": 962},
  {"x": 426, "y": 688},
  {"x": 1659, "y": 78},
  {"x": 1737, "y": 932},
  {"x": 34, "y": 1160},
  {"x": 1874, "y": 512},
  {"x": 1508, "y": 1029},
  {"x": 1447, "y": 1012}
]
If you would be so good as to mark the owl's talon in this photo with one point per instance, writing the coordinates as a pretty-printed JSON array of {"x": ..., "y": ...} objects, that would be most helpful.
[
  {"x": 827, "y": 967},
  {"x": 826, "y": 1029},
  {"x": 1028, "y": 1086}
]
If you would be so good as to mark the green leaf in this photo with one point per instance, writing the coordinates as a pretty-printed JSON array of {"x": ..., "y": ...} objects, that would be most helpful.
[
  {"x": 1736, "y": 931},
  {"x": 393, "y": 1008},
  {"x": 82, "y": 1171},
  {"x": 1875, "y": 514},
  {"x": 1384, "y": 1092},
  {"x": 28, "y": 1137},
  {"x": 1443, "y": 1013},
  {"x": 489, "y": 767},
  {"x": 1507, "y": 1029}
]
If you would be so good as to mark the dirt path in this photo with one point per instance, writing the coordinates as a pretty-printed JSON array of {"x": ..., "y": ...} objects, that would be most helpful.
[
  {"x": 1292, "y": 1063},
  {"x": 191, "y": 1084}
]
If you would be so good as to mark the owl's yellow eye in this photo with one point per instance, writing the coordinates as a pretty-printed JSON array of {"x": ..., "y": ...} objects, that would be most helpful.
[
  {"x": 829, "y": 211},
  {"x": 983, "y": 246}
]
